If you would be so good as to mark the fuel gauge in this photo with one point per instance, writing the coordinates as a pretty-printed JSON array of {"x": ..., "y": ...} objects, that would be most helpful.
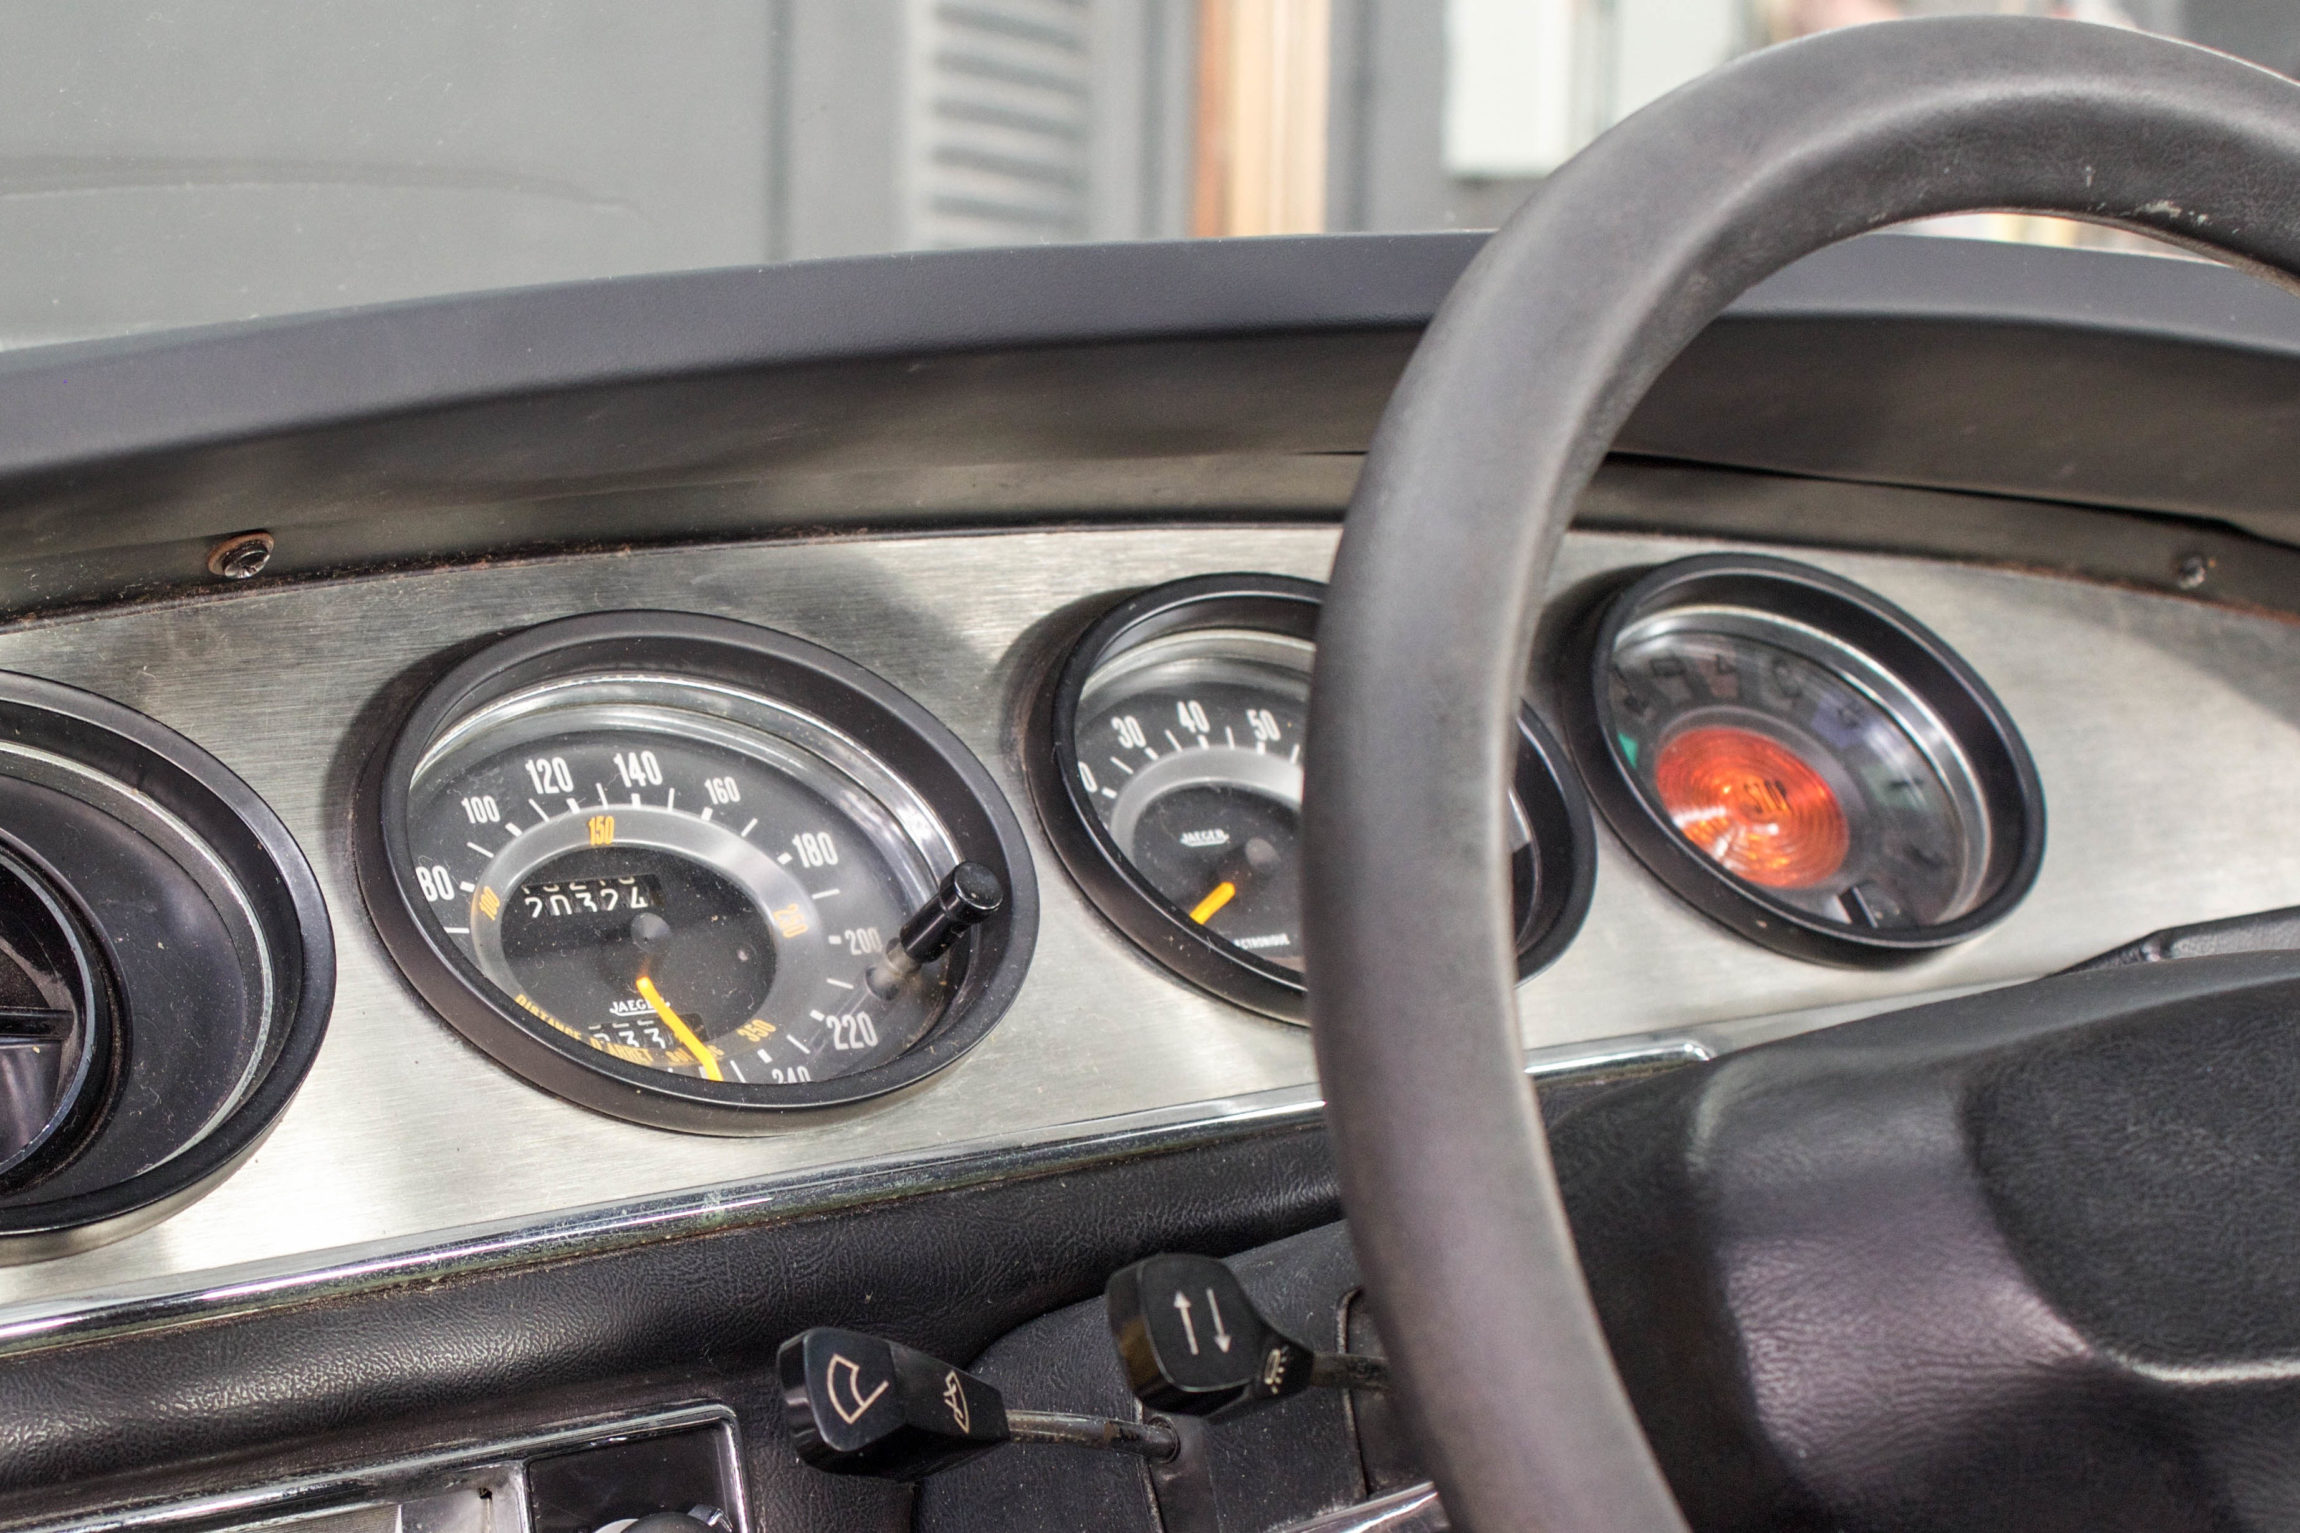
[{"x": 1170, "y": 773}]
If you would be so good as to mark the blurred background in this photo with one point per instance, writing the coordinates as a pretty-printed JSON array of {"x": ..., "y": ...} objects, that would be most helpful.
[{"x": 170, "y": 162}]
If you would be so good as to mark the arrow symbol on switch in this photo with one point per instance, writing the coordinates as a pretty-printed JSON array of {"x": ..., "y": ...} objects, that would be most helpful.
[
  {"x": 1221, "y": 1331},
  {"x": 1189, "y": 1326}
]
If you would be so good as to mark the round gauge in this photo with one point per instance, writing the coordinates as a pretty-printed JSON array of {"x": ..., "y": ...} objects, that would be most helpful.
[
  {"x": 166, "y": 970},
  {"x": 1805, "y": 762},
  {"x": 1168, "y": 765},
  {"x": 682, "y": 869}
]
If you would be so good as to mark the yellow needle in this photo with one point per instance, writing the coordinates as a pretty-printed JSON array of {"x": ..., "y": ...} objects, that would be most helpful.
[
  {"x": 679, "y": 1029},
  {"x": 1221, "y": 894}
]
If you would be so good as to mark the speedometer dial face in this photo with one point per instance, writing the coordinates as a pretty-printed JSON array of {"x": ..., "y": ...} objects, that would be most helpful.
[
  {"x": 649, "y": 861},
  {"x": 1170, "y": 770},
  {"x": 675, "y": 893},
  {"x": 1805, "y": 762}
]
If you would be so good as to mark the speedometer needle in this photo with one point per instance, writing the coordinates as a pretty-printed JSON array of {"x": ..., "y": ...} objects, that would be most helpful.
[
  {"x": 1221, "y": 894},
  {"x": 679, "y": 1029}
]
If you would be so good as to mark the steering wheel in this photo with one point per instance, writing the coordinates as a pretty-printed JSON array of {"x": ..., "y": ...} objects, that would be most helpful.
[{"x": 1503, "y": 416}]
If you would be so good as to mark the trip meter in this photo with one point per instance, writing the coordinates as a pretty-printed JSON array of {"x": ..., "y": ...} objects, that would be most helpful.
[
  {"x": 651, "y": 861},
  {"x": 1168, "y": 766}
]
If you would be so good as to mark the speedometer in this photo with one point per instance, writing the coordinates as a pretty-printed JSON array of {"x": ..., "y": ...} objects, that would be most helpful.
[{"x": 682, "y": 869}]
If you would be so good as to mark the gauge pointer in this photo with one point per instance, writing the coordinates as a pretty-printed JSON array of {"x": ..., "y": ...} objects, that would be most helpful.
[
  {"x": 1221, "y": 894},
  {"x": 679, "y": 1029}
]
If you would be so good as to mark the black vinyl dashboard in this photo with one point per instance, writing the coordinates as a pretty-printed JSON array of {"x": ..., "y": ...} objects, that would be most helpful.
[{"x": 516, "y": 685}]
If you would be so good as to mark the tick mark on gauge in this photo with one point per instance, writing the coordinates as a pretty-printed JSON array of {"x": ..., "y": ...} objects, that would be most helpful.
[
  {"x": 706, "y": 816},
  {"x": 481, "y": 850},
  {"x": 746, "y": 830},
  {"x": 1170, "y": 740},
  {"x": 542, "y": 813},
  {"x": 574, "y": 807},
  {"x": 822, "y": 894},
  {"x": 1122, "y": 766},
  {"x": 637, "y": 802},
  {"x": 456, "y": 931},
  {"x": 802, "y": 1048},
  {"x": 670, "y": 798},
  {"x": 786, "y": 857},
  {"x": 842, "y": 984},
  {"x": 468, "y": 887}
]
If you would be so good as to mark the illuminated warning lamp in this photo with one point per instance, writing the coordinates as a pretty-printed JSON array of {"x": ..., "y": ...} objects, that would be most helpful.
[{"x": 1753, "y": 805}]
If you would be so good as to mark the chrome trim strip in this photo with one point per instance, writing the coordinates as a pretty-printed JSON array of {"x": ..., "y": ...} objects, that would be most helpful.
[
  {"x": 348, "y": 1489},
  {"x": 1416, "y": 1509},
  {"x": 598, "y": 1231}
]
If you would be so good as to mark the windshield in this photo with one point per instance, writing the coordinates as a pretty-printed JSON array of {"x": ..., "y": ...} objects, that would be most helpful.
[{"x": 167, "y": 164}]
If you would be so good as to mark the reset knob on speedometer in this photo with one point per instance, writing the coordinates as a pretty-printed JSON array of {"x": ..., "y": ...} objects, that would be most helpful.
[{"x": 675, "y": 868}]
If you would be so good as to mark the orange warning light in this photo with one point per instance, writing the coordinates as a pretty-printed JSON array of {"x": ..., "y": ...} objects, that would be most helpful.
[{"x": 1752, "y": 804}]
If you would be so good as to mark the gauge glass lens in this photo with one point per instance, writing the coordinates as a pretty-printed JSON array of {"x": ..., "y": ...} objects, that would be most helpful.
[
  {"x": 46, "y": 1000},
  {"x": 1797, "y": 765},
  {"x": 1190, "y": 748},
  {"x": 681, "y": 890}
]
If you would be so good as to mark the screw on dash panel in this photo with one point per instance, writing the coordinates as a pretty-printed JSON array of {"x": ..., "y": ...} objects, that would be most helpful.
[
  {"x": 242, "y": 556},
  {"x": 2190, "y": 571}
]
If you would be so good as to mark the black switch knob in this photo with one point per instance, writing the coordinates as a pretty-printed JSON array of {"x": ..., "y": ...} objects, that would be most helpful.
[
  {"x": 1193, "y": 1343},
  {"x": 860, "y": 1404},
  {"x": 968, "y": 895}
]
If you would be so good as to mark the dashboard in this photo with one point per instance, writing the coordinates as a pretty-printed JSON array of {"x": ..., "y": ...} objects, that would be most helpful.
[
  {"x": 405, "y": 1133},
  {"x": 1847, "y": 698}
]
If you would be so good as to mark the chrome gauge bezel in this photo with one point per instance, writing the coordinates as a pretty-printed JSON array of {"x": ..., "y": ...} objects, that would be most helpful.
[
  {"x": 182, "y": 875},
  {"x": 1280, "y": 610},
  {"x": 1909, "y": 674},
  {"x": 772, "y": 698}
]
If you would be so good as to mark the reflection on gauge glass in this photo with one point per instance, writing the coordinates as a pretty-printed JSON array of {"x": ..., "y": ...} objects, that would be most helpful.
[
  {"x": 1846, "y": 785},
  {"x": 672, "y": 889},
  {"x": 692, "y": 878},
  {"x": 55, "y": 1017},
  {"x": 1172, "y": 777},
  {"x": 1790, "y": 774}
]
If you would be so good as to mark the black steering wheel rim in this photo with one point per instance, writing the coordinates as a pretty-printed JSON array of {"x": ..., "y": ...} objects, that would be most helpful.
[{"x": 1501, "y": 419}]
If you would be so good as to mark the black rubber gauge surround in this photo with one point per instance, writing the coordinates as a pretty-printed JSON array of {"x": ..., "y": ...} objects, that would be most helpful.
[
  {"x": 1919, "y": 689},
  {"x": 964, "y": 817},
  {"x": 1552, "y": 874},
  {"x": 196, "y": 939}
]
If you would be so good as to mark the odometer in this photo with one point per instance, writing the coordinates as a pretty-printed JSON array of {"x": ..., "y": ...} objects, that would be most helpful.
[{"x": 676, "y": 864}]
